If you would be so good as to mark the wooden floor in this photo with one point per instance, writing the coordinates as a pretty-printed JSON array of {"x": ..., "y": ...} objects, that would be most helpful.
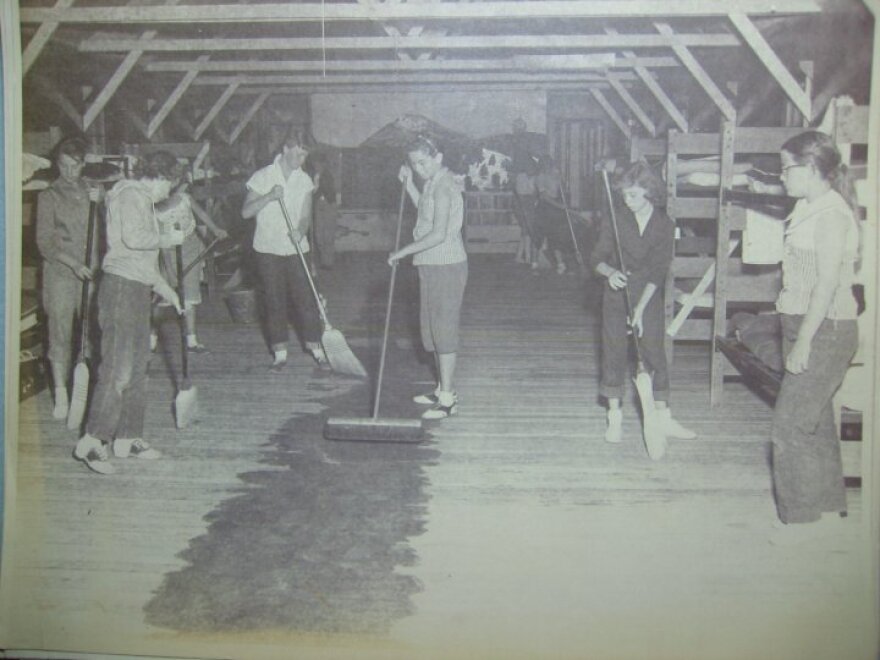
[{"x": 513, "y": 531}]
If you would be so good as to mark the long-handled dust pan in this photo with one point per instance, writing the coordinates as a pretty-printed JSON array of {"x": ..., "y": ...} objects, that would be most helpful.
[
  {"x": 186, "y": 403},
  {"x": 341, "y": 358},
  {"x": 655, "y": 438},
  {"x": 376, "y": 429},
  {"x": 80, "y": 394}
]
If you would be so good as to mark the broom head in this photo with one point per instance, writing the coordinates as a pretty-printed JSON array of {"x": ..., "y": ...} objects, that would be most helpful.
[
  {"x": 371, "y": 429},
  {"x": 186, "y": 405},
  {"x": 341, "y": 359},
  {"x": 655, "y": 438},
  {"x": 79, "y": 396}
]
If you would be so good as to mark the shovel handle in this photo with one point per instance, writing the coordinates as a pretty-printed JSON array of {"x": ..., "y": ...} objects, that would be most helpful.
[{"x": 84, "y": 303}]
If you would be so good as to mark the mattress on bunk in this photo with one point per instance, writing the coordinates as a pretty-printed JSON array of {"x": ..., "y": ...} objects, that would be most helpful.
[{"x": 754, "y": 347}]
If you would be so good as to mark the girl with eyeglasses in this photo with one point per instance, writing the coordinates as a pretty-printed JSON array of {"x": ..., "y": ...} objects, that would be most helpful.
[{"x": 818, "y": 312}]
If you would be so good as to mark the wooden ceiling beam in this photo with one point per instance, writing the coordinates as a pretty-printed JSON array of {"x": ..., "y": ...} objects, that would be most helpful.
[
  {"x": 700, "y": 74},
  {"x": 383, "y": 11},
  {"x": 611, "y": 112},
  {"x": 216, "y": 108},
  {"x": 641, "y": 70},
  {"x": 248, "y": 116},
  {"x": 422, "y": 42},
  {"x": 115, "y": 80},
  {"x": 408, "y": 79},
  {"x": 774, "y": 65},
  {"x": 563, "y": 62},
  {"x": 41, "y": 38},
  {"x": 51, "y": 91},
  {"x": 173, "y": 98},
  {"x": 388, "y": 88},
  {"x": 631, "y": 103}
]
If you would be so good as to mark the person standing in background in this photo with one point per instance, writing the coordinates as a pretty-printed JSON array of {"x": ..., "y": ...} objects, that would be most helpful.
[
  {"x": 130, "y": 275},
  {"x": 62, "y": 230},
  {"x": 284, "y": 279},
  {"x": 325, "y": 209}
]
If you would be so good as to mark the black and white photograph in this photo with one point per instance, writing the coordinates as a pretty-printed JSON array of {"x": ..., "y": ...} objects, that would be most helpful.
[{"x": 441, "y": 329}]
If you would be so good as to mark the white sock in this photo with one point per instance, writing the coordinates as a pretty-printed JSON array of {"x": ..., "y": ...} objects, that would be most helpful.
[
  {"x": 192, "y": 340},
  {"x": 280, "y": 355},
  {"x": 446, "y": 399}
]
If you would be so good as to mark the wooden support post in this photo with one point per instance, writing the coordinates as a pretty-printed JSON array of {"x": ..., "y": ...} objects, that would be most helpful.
[
  {"x": 215, "y": 109},
  {"x": 771, "y": 60},
  {"x": 40, "y": 39},
  {"x": 669, "y": 287},
  {"x": 722, "y": 266},
  {"x": 611, "y": 112},
  {"x": 699, "y": 74},
  {"x": 248, "y": 116},
  {"x": 173, "y": 98},
  {"x": 632, "y": 104}
]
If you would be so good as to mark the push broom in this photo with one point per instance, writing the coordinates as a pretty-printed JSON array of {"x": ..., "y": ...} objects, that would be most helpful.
[
  {"x": 376, "y": 429},
  {"x": 80, "y": 394},
  {"x": 655, "y": 438},
  {"x": 342, "y": 359},
  {"x": 186, "y": 403}
]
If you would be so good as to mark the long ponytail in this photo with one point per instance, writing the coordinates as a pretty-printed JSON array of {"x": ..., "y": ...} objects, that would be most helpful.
[{"x": 819, "y": 150}]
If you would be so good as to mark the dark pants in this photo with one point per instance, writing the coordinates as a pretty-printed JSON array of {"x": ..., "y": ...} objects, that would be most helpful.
[
  {"x": 120, "y": 398},
  {"x": 284, "y": 280},
  {"x": 807, "y": 470},
  {"x": 551, "y": 223},
  {"x": 615, "y": 343}
]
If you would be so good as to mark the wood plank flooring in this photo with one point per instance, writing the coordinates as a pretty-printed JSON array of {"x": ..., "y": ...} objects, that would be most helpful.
[{"x": 513, "y": 531}]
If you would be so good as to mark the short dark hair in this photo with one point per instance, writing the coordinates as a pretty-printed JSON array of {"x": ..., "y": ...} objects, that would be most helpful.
[
  {"x": 640, "y": 174},
  {"x": 156, "y": 165},
  {"x": 297, "y": 137},
  {"x": 424, "y": 144},
  {"x": 74, "y": 147}
]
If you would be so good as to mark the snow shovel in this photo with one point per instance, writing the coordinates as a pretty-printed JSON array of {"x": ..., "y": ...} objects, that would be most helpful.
[
  {"x": 186, "y": 403},
  {"x": 376, "y": 429},
  {"x": 80, "y": 394},
  {"x": 340, "y": 356},
  {"x": 574, "y": 240},
  {"x": 655, "y": 438}
]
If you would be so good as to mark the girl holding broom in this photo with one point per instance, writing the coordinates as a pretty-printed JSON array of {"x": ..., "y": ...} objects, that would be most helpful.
[
  {"x": 819, "y": 334},
  {"x": 438, "y": 253},
  {"x": 130, "y": 275},
  {"x": 646, "y": 237}
]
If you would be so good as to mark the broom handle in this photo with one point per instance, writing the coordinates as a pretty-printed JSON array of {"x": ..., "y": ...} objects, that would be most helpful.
[
  {"x": 305, "y": 265},
  {"x": 184, "y": 358},
  {"x": 201, "y": 255},
  {"x": 388, "y": 308},
  {"x": 84, "y": 303},
  {"x": 577, "y": 249},
  {"x": 622, "y": 267}
]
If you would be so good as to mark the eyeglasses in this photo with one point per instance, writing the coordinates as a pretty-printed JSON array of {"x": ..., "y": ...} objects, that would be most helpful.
[{"x": 789, "y": 167}]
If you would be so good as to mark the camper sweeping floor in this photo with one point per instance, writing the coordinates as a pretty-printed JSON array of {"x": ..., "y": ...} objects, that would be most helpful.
[{"x": 512, "y": 531}]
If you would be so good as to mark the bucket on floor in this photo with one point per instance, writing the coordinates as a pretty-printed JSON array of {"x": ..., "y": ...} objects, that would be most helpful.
[{"x": 242, "y": 305}]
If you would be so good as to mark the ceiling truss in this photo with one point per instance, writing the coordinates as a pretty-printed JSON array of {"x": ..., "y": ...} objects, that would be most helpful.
[{"x": 426, "y": 46}]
